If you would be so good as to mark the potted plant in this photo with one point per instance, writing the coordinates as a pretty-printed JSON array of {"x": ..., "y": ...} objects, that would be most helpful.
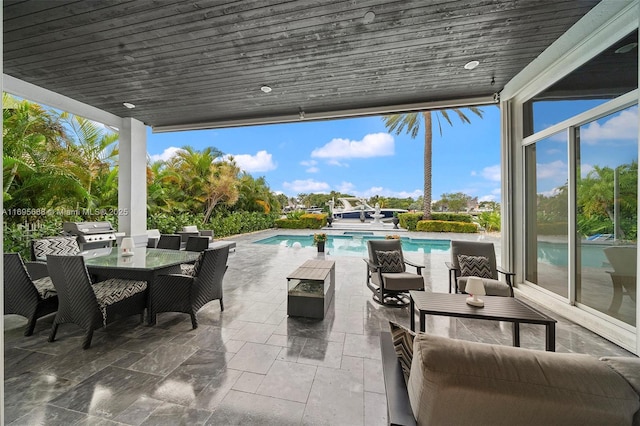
[{"x": 319, "y": 240}]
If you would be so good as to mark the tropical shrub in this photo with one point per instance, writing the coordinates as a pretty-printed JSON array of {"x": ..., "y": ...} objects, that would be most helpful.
[
  {"x": 489, "y": 221},
  {"x": 409, "y": 221},
  {"x": 445, "y": 226},
  {"x": 452, "y": 217},
  {"x": 305, "y": 221}
]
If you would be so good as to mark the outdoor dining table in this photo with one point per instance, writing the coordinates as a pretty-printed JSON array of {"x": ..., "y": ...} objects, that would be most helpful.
[{"x": 144, "y": 264}]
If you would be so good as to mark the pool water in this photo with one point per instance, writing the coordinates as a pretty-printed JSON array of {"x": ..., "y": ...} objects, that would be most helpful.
[{"x": 356, "y": 245}]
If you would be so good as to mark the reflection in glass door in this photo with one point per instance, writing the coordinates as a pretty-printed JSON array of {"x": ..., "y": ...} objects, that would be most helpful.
[
  {"x": 547, "y": 205},
  {"x": 607, "y": 212}
]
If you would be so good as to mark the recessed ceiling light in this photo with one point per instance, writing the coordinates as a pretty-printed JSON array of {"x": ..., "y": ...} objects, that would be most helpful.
[
  {"x": 471, "y": 65},
  {"x": 369, "y": 17},
  {"x": 128, "y": 105},
  {"x": 626, "y": 48},
  {"x": 266, "y": 89}
]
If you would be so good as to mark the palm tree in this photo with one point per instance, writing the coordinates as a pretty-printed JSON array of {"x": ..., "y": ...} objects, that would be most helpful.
[
  {"x": 410, "y": 123},
  {"x": 92, "y": 155}
]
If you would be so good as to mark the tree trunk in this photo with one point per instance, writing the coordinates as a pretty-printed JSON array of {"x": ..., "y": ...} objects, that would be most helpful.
[{"x": 428, "y": 139}]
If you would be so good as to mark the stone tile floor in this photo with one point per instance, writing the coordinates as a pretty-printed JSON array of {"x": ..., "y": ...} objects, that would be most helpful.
[{"x": 250, "y": 364}]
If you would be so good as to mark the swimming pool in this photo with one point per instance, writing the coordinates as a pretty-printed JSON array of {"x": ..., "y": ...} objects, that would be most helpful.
[{"x": 356, "y": 245}]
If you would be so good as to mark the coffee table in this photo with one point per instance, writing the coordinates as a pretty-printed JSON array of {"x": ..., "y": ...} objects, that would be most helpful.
[{"x": 495, "y": 308}]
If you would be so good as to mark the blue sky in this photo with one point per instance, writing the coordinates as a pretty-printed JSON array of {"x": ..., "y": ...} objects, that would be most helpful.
[{"x": 356, "y": 156}]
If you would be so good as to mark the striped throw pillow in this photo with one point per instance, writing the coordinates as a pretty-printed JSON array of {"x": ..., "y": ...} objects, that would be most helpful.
[
  {"x": 474, "y": 266},
  {"x": 403, "y": 343},
  {"x": 390, "y": 261}
]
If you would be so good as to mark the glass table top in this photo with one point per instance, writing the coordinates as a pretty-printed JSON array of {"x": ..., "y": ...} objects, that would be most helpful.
[{"x": 142, "y": 258}]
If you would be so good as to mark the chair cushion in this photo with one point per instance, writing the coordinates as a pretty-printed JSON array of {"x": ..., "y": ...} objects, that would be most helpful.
[
  {"x": 491, "y": 287},
  {"x": 403, "y": 344},
  {"x": 459, "y": 382},
  {"x": 401, "y": 281},
  {"x": 63, "y": 246},
  {"x": 45, "y": 287},
  {"x": 474, "y": 266},
  {"x": 390, "y": 261},
  {"x": 190, "y": 228},
  {"x": 187, "y": 269},
  {"x": 114, "y": 290}
]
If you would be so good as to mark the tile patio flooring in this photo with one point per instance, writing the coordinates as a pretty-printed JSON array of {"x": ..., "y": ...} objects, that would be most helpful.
[{"x": 250, "y": 364}]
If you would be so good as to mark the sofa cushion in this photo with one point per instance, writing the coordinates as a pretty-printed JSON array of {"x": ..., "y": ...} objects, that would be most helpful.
[
  {"x": 474, "y": 266},
  {"x": 460, "y": 382},
  {"x": 390, "y": 261},
  {"x": 403, "y": 344},
  {"x": 629, "y": 368}
]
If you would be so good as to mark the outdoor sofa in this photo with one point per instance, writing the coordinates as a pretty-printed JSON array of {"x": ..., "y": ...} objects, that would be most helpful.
[{"x": 456, "y": 382}]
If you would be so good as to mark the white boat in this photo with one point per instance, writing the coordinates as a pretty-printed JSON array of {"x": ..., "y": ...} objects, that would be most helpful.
[{"x": 357, "y": 208}]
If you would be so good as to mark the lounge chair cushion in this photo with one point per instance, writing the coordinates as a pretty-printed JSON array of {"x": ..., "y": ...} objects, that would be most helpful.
[
  {"x": 113, "y": 290},
  {"x": 403, "y": 344},
  {"x": 45, "y": 287},
  {"x": 474, "y": 266},
  {"x": 460, "y": 382},
  {"x": 390, "y": 261}
]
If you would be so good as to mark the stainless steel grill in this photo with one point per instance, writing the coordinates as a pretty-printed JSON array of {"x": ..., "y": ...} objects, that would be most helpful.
[{"x": 91, "y": 235}]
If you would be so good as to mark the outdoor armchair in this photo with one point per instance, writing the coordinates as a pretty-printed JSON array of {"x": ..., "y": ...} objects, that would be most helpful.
[
  {"x": 88, "y": 305},
  {"x": 192, "y": 231},
  {"x": 189, "y": 293},
  {"x": 473, "y": 258},
  {"x": 387, "y": 276},
  {"x": 31, "y": 296}
]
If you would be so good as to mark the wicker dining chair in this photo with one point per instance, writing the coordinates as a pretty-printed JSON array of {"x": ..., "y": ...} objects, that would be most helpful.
[
  {"x": 169, "y": 241},
  {"x": 194, "y": 244},
  {"x": 26, "y": 294},
  {"x": 88, "y": 305},
  {"x": 189, "y": 293}
]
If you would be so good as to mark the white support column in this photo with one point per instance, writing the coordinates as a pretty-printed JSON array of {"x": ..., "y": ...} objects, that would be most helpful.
[{"x": 132, "y": 181}]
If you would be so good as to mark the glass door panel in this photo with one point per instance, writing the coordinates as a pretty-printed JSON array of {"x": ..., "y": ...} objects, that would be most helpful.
[
  {"x": 607, "y": 214},
  {"x": 547, "y": 257}
]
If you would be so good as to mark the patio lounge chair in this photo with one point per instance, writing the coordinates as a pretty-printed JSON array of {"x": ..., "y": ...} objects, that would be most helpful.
[
  {"x": 189, "y": 293},
  {"x": 473, "y": 258},
  {"x": 30, "y": 296},
  {"x": 387, "y": 276},
  {"x": 88, "y": 305}
]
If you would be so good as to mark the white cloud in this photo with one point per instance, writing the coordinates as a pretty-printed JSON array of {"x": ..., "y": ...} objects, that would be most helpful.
[
  {"x": 553, "y": 170},
  {"x": 335, "y": 162},
  {"x": 312, "y": 170},
  {"x": 585, "y": 169},
  {"x": 621, "y": 126},
  {"x": 492, "y": 173},
  {"x": 168, "y": 153},
  {"x": 346, "y": 188},
  {"x": 372, "y": 145},
  {"x": 261, "y": 162},
  {"x": 550, "y": 193},
  {"x": 308, "y": 163},
  {"x": 384, "y": 192},
  {"x": 474, "y": 173},
  {"x": 308, "y": 185}
]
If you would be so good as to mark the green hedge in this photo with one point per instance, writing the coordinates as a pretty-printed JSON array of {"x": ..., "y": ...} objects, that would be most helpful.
[
  {"x": 446, "y": 226},
  {"x": 452, "y": 217},
  {"x": 306, "y": 221},
  {"x": 409, "y": 221},
  {"x": 552, "y": 228}
]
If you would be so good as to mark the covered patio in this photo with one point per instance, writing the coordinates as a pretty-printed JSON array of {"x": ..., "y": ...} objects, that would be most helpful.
[
  {"x": 250, "y": 364},
  {"x": 176, "y": 65}
]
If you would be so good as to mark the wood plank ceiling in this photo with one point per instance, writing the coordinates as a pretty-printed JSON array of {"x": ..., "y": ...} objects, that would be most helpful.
[{"x": 204, "y": 61}]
